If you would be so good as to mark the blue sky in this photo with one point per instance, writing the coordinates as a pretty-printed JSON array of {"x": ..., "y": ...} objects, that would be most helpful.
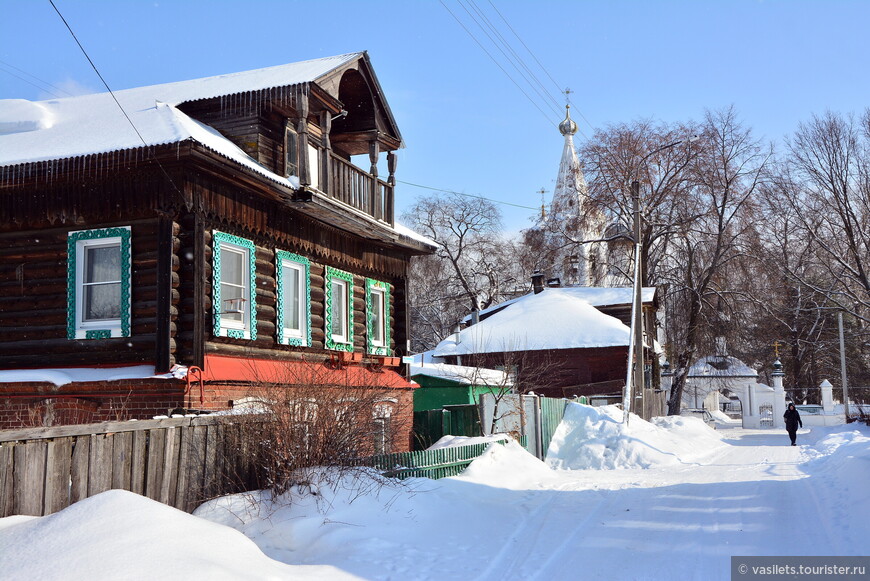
[{"x": 466, "y": 124}]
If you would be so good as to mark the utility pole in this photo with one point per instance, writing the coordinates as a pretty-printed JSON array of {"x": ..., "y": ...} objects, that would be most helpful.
[
  {"x": 637, "y": 323},
  {"x": 843, "y": 367}
]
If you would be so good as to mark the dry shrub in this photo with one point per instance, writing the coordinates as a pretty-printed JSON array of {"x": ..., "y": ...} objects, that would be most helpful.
[{"x": 310, "y": 428}]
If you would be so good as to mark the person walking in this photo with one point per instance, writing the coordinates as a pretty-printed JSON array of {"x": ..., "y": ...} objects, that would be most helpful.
[{"x": 792, "y": 419}]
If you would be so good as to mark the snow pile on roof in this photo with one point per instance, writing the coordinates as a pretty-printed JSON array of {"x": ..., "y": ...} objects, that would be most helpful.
[
  {"x": 721, "y": 366},
  {"x": 21, "y": 116},
  {"x": 596, "y": 438},
  {"x": 89, "y": 124},
  {"x": 65, "y": 375},
  {"x": 121, "y": 535},
  {"x": 554, "y": 319},
  {"x": 462, "y": 374}
]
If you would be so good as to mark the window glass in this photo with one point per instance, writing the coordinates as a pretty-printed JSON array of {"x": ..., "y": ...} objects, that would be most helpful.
[
  {"x": 233, "y": 283},
  {"x": 102, "y": 283},
  {"x": 292, "y": 304},
  {"x": 339, "y": 310},
  {"x": 378, "y": 317},
  {"x": 291, "y": 146}
]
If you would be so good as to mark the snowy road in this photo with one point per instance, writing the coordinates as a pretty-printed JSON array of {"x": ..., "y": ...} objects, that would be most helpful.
[
  {"x": 665, "y": 500},
  {"x": 669, "y": 501}
]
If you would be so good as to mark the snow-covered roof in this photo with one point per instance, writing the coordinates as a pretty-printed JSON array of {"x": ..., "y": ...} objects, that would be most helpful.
[
  {"x": 63, "y": 376},
  {"x": 597, "y": 296},
  {"x": 403, "y": 230},
  {"x": 554, "y": 319},
  {"x": 462, "y": 374},
  {"x": 91, "y": 124},
  {"x": 721, "y": 366}
]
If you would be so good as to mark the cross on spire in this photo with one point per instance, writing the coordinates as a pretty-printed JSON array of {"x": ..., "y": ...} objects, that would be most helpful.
[
  {"x": 542, "y": 191},
  {"x": 776, "y": 344},
  {"x": 567, "y": 92}
]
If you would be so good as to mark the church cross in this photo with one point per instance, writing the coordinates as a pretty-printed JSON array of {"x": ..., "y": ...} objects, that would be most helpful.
[
  {"x": 776, "y": 345},
  {"x": 542, "y": 191},
  {"x": 567, "y": 94}
]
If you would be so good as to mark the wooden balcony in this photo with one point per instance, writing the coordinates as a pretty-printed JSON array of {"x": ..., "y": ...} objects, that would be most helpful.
[{"x": 358, "y": 189}]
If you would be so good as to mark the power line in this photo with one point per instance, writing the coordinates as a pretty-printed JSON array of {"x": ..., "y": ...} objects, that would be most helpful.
[
  {"x": 474, "y": 38},
  {"x": 513, "y": 58},
  {"x": 34, "y": 77},
  {"x": 118, "y": 103},
  {"x": 467, "y": 195}
]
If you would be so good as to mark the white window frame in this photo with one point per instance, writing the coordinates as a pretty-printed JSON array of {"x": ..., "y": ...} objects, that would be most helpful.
[
  {"x": 339, "y": 341},
  {"x": 341, "y": 337},
  {"x": 379, "y": 307},
  {"x": 78, "y": 243},
  {"x": 223, "y": 325},
  {"x": 288, "y": 335},
  {"x": 377, "y": 298}
]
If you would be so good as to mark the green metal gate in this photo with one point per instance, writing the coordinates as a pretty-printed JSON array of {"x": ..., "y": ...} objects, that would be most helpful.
[{"x": 456, "y": 420}]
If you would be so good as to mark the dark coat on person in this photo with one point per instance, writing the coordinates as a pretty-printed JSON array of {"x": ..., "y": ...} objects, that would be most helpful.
[{"x": 792, "y": 419}]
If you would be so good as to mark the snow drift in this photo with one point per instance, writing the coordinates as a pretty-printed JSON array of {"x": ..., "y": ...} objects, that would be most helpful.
[{"x": 597, "y": 438}]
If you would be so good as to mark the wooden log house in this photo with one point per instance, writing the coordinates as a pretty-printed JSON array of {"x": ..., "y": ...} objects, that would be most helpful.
[{"x": 215, "y": 228}]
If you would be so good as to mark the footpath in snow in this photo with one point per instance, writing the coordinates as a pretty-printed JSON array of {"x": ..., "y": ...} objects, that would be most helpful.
[{"x": 671, "y": 499}]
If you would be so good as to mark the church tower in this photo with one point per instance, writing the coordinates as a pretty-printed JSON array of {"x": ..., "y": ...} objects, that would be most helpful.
[{"x": 572, "y": 220}]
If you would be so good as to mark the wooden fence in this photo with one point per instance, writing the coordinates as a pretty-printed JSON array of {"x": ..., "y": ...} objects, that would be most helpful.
[
  {"x": 440, "y": 463},
  {"x": 180, "y": 462}
]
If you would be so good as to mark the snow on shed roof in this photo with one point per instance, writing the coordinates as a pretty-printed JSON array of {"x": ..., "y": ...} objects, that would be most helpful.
[
  {"x": 597, "y": 296},
  {"x": 90, "y": 124},
  {"x": 554, "y": 319},
  {"x": 721, "y": 366},
  {"x": 462, "y": 374}
]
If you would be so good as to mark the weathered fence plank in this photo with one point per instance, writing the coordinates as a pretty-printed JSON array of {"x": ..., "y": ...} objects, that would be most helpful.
[
  {"x": 100, "y": 463},
  {"x": 170, "y": 467},
  {"x": 122, "y": 460},
  {"x": 195, "y": 471},
  {"x": 57, "y": 472},
  {"x": 6, "y": 475},
  {"x": 154, "y": 472},
  {"x": 79, "y": 469},
  {"x": 138, "y": 462},
  {"x": 30, "y": 486}
]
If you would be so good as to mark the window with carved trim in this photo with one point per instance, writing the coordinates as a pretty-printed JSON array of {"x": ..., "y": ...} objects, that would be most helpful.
[
  {"x": 339, "y": 309},
  {"x": 98, "y": 283},
  {"x": 233, "y": 290},
  {"x": 378, "y": 317},
  {"x": 294, "y": 298}
]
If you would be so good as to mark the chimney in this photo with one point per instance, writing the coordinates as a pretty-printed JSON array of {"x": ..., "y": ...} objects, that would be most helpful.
[{"x": 537, "y": 281}]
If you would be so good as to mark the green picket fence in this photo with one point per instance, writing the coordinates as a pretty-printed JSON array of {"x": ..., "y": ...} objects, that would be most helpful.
[{"x": 433, "y": 464}]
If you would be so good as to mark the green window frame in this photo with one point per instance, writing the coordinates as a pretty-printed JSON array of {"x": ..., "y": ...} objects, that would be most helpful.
[
  {"x": 377, "y": 317},
  {"x": 233, "y": 320},
  {"x": 339, "y": 310},
  {"x": 290, "y": 297},
  {"x": 82, "y": 320}
]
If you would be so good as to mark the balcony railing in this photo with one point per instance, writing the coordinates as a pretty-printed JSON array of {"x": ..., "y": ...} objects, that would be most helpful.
[{"x": 360, "y": 190}]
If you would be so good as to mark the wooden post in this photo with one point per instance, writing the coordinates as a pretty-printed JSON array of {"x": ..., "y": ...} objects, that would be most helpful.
[
  {"x": 302, "y": 131},
  {"x": 391, "y": 192},
  {"x": 162, "y": 334},
  {"x": 326, "y": 161},
  {"x": 199, "y": 312},
  {"x": 376, "y": 200}
]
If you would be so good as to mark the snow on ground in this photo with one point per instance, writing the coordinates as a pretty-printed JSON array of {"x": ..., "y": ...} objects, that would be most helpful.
[
  {"x": 596, "y": 437},
  {"x": 668, "y": 500},
  {"x": 119, "y": 535}
]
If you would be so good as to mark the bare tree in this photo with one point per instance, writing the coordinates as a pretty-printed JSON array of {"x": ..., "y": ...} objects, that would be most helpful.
[
  {"x": 473, "y": 268},
  {"x": 715, "y": 222}
]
